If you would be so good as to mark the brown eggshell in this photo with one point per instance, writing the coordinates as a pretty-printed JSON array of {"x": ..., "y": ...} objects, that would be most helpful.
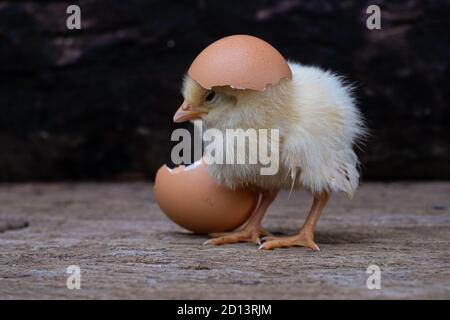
[
  {"x": 193, "y": 200},
  {"x": 239, "y": 61}
]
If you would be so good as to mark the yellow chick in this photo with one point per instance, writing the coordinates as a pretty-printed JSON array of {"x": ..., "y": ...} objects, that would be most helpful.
[{"x": 318, "y": 124}]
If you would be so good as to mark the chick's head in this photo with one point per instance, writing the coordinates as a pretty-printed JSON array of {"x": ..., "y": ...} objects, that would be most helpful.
[
  {"x": 200, "y": 103},
  {"x": 225, "y": 107}
]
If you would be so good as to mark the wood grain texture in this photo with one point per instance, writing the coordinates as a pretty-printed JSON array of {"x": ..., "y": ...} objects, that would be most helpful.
[{"x": 126, "y": 248}]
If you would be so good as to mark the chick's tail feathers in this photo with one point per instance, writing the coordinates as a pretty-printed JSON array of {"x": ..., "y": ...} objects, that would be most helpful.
[{"x": 329, "y": 124}]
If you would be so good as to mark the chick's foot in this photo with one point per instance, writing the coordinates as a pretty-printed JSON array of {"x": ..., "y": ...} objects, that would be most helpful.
[
  {"x": 301, "y": 239},
  {"x": 247, "y": 234}
]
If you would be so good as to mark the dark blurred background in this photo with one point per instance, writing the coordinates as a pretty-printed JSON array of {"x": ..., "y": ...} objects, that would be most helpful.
[{"x": 97, "y": 103}]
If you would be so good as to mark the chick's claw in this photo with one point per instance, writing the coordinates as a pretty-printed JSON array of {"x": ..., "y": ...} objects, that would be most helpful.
[
  {"x": 286, "y": 242},
  {"x": 251, "y": 235}
]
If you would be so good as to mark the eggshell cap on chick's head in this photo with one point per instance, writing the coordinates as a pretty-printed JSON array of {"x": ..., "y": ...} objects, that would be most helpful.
[{"x": 239, "y": 61}]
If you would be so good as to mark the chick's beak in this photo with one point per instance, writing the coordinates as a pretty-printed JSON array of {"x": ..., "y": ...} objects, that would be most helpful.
[{"x": 185, "y": 112}]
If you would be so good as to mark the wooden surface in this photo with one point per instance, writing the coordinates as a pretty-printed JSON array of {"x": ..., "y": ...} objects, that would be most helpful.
[{"x": 126, "y": 248}]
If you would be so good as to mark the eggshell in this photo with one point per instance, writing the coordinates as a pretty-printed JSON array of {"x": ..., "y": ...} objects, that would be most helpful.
[
  {"x": 239, "y": 61},
  {"x": 193, "y": 200}
]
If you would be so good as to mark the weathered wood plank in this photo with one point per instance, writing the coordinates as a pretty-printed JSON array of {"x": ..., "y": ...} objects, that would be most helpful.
[{"x": 126, "y": 248}]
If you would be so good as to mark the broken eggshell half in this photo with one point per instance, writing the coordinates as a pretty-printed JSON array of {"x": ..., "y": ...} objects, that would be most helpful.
[
  {"x": 195, "y": 201},
  {"x": 241, "y": 62}
]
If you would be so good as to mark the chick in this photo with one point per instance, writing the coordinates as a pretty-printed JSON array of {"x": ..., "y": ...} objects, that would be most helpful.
[{"x": 318, "y": 123}]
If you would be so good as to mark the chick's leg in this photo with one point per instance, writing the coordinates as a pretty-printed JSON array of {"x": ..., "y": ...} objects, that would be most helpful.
[
  {"x": 252, "y": 231},
  {"x": 305, "y": 236}
]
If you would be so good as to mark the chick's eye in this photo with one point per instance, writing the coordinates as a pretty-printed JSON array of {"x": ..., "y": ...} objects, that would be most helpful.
[{"x": 210, "y": 96}]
